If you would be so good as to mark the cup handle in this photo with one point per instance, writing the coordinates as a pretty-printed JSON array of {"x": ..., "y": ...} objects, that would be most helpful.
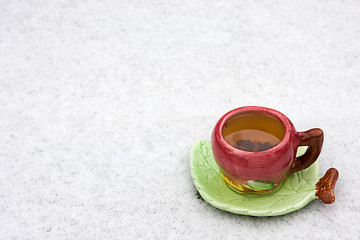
[{"x": 314, "y": 139}]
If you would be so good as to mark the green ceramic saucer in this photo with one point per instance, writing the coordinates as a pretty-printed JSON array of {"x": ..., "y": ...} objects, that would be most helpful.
[{"x": 295, "y": 193}]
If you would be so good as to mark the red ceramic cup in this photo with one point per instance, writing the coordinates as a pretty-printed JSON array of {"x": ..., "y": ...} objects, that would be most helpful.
[{"x": 262, "y": 171}]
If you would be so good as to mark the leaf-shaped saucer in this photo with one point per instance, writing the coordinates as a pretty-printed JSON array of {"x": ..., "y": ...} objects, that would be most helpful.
[{"x": 296, "y": 191}]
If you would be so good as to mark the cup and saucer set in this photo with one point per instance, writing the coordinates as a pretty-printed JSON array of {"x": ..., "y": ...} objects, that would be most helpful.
[{"x": 257, "y": 164}]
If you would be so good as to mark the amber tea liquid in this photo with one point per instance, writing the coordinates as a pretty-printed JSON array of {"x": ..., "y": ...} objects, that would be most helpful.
[{"x": 253, "y": 132}]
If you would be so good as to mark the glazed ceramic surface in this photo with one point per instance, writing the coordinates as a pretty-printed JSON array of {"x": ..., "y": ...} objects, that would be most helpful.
[
  {"x": 295, "y": 192},
  {"x": 263, "y": 171}
]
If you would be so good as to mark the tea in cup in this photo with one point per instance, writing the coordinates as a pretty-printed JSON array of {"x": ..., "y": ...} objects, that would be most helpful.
[{"x": 255, "y": 148}]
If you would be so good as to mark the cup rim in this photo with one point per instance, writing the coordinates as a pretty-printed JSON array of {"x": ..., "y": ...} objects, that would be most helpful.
[{"x": 254, "y": 109}]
